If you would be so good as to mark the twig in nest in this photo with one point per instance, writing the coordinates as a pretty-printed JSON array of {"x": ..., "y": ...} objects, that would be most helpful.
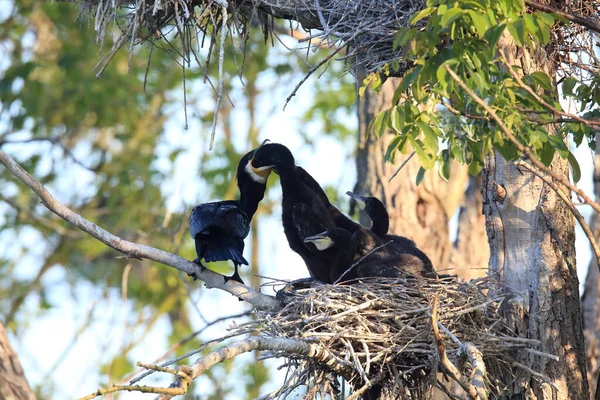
[
  {"x": 223, "y": 4},
  {"x": 446, "y": 363}
]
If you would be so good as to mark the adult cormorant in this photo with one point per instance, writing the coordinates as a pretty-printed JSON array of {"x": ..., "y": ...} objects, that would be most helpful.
[
  {"x": 304, "y": 210},
  {"x": 219, "y": 228}
]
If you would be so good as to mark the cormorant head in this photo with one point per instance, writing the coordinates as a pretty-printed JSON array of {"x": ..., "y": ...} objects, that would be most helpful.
[
  {"x": 360, "y": 200},
  {"x": 329, "y": 238},
  {"x": 245, "y": 167},
  {"x": 271, "y": 157},
  {"x": 371, "y": 205}
]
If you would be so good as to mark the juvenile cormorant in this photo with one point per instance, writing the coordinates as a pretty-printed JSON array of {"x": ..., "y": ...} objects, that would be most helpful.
[
  {"x": 379, "y": 216},
  {"x": 382, "y": 263},
  {"x": 304, "y": 210},
  {"x": 219, "y": 228}
]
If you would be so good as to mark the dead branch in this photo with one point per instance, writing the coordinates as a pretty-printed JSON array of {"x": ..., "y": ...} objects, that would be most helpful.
[
  {"x": 135, "y": 250},
  {"x": 288, "y": 347},
  {"x": 446, "y": 363}
]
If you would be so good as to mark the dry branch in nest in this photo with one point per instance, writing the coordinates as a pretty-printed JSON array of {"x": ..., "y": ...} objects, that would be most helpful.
[{"x": 379, "y": 333}]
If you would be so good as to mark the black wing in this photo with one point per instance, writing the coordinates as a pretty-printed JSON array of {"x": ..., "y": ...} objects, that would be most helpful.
[{"x": 224, "y": 216}]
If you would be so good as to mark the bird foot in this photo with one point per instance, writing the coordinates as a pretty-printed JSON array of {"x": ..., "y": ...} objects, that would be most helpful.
[
  {"x": 202, "y": 268},
  {"x": 235, "y": 277}
]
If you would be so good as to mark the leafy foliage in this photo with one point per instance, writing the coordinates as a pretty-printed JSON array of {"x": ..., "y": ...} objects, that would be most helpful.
[{"x": 440, "y": 121}]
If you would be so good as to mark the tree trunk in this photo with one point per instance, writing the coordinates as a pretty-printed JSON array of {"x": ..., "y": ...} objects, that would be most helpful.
[
  {"x": 13, "y": 384},
  {"x": 591, "y": 295},
  {"x": 532, "y": 242},
  {"x": 418, "y": 212}
]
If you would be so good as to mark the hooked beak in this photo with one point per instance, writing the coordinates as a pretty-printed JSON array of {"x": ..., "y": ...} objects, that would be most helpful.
[
  {"x": 321, "y": 241},
  {"x": 263, "y": 172},
  {"x": 360, "y": 200}
]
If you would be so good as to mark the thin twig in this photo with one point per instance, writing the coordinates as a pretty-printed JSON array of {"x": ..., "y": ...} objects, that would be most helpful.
[
  {"x": 588, "y": 23},
  {"x": 406, "y": 160},
  {"x": 539, "y": 99},
  {"x": 450, "y": 368}
]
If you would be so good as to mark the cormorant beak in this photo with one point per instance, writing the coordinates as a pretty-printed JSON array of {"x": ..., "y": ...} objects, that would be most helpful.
[
  {"x": 261, "y": 172},
  {"x": 360, "y": 200},
  {"x": 321, "y": 241}
]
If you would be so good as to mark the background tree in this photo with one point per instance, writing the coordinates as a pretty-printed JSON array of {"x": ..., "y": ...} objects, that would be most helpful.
[{"x": 78, "y": 135}]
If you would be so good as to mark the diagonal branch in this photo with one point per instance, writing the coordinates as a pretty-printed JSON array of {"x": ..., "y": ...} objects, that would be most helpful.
[
  {"x": 135, "y": 250},
  {"x": 526, "y": 151},
  {"x": 286, "y": 346}
]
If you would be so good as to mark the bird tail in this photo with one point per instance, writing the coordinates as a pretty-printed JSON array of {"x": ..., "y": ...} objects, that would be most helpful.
[{"x": 225, "y": 249}]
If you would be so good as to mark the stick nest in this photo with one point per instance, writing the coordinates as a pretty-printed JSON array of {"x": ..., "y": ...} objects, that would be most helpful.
[{"x": 379, "y": 332}]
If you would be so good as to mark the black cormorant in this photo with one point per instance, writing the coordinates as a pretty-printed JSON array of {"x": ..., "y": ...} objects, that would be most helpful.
[
  {"x": 219, "y": 228},
  {"x": 304, "y": 206},
  {"x": 379, "y": 216},
  {"x": 382, "y": 263}
]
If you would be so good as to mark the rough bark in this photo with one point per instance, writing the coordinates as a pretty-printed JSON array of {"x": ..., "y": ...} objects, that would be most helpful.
[
  {"x": 591, "y": 296},
  {"x": 418, "y": 212},
  {"x": 532, "y": 242},
  {"x": 13, "y": 384}
]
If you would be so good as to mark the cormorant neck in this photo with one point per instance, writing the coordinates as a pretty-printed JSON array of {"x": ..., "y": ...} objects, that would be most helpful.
[
  {"x": 380, "y": 218},
  {"x": 250, "y": 195}
]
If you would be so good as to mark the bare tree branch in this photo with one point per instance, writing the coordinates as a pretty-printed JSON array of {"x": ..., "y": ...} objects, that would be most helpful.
[
  {"x": 135, "y": 250},
  {"x": 588, "y": 23},
  {"x": 287, "y": 346}
]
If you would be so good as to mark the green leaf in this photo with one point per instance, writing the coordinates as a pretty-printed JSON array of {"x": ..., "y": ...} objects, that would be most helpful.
[
  {"x": 493, "y": 35},
  {"x": 379, "y": 123},
  {"x": 568, "y": 85},
  {"x": 575, "y": 170},
  {"x": 444, "y": 165},
  {"x": 543, "y": 79},
  {"x": 421, "y": 14},
  {"x": 546, "y": 154},
  {"x": 480, "y": 22},
  {"x": 426, "y": 160},
  {"x": 517, "y": 30},
  {"x": 431, "y": 139},
  {"x": 391, "y": 149},
  {"x": 559, "y": 145},
  {"x": 450, "y": 16},
  {"x": 420, "y": 175},
  {"x": 396, "y": 120}
]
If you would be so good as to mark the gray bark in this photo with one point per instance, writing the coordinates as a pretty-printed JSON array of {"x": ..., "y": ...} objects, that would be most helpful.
[
  {"x": 591, "y": 296},
  {"x": 13, "y": 384}
]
